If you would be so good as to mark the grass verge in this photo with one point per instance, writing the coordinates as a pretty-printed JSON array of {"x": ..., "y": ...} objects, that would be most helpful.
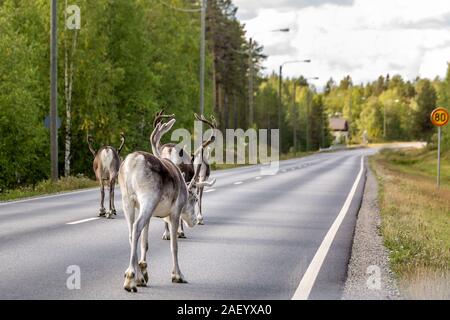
[
  {"x": 416, "y": 220},
  {"x": 48, "y": 187}
]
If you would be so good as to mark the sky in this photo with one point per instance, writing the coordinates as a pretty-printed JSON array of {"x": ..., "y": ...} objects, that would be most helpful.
[{"x": 360, "y": 38}]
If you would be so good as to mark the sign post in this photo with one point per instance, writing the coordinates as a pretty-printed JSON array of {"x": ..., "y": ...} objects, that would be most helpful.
[{"x": 439, "y": 117}]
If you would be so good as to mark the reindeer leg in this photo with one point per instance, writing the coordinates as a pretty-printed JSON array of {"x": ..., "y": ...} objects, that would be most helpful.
[
  {"x": 113, "y": 206},
  {"x": 200, "y": 214},
  {"x": 144, "y": 249},
  {"x": 102, "y": 210},
  {"x": 181, "y": 229},
  {"x": 133, "y": 275},
  {"x": 112, "y": 209},
  {"x": 166, "y": 234},
  {"x": 177, "y": 276}
]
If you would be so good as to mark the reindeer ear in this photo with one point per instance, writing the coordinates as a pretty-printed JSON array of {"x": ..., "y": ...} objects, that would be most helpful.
[{"x": 181, "y": 153}]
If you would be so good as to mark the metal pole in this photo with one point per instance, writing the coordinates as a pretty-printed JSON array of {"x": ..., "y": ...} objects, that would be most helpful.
[
  {"x": 202, "y": 57},
  {"x": 53, "y": 92},
  {"x": 439, "y": 159},
  {"x": 279, "y": 105},
  {"x": 294, "y": 113},
  {"x": 250, "y": 83}
]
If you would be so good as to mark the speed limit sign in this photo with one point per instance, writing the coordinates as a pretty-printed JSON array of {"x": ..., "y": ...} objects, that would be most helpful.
[{"x": 439, "y": 117}]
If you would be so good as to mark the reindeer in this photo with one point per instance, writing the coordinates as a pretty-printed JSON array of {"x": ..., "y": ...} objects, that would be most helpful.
[
  {"x": 106, "y": 167},
  {"x": 205, "y": 169},
  {"x": 155, "y": 187},
  {"x": 184, "y": 162}
]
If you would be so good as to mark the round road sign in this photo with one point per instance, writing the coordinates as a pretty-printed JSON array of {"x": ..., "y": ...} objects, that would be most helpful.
[{"x": 439, "y": 117}]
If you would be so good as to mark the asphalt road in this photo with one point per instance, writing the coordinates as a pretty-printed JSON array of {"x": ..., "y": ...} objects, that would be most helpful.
[{"x": 260, "y": 236}]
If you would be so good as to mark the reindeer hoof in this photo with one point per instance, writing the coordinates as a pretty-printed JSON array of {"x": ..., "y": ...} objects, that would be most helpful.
[
  {"x": 134, "y": 289},
  {"x": 166, "y": 237},
  {"x": 178, "y": 279},
  {"x": 109, "y": 215},
  {"x": 143, "y": 267},
  {"x": 101, "y": 212},
  {"x": 129, "y": 284},
  {"x": 200, "y": 222},
  {"x": 181, "y": 235}
]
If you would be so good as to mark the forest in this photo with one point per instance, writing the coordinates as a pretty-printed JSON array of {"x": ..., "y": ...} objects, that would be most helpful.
[{"x": 131, "y": 58}]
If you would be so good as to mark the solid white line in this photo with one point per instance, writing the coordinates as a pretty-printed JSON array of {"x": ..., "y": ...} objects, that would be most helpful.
[
  {"x": 209, "y": 190},
  {"x": 238, "y": 182},
  {"x": 46, "y": 197},
  {"x": 81, "y": 221},
  {"x": 257, "y": 178},
  {"x": 307, "y": 282}
]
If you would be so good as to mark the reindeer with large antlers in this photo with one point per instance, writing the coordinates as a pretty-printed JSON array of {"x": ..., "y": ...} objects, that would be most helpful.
[
  {"x": 155, "y": 187},
  {"x": 106, "y": 167},
  {"x": 181, "y": 159},
  {"x": 205, "y": 169},
  {"x": 186, "y": 165}
]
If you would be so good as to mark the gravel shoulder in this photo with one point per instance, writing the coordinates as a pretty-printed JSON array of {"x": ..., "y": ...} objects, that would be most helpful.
[{"x": 369, "y": 276}]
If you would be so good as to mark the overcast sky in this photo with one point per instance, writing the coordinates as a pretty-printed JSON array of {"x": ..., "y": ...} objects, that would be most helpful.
[{"x": 362, "y": 38}]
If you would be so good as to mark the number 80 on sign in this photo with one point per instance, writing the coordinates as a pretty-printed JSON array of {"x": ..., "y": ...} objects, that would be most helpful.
[{"x": 439, "y": 117}]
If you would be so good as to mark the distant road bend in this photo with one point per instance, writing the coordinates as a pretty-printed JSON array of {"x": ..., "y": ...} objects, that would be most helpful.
[{"x": 284, "y": 236}]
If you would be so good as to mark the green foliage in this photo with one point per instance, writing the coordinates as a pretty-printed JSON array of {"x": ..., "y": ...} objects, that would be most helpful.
[{"x": 134, "y": 57}]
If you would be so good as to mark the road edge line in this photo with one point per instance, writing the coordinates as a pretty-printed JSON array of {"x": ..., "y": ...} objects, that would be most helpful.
[
  {"x": 306, "y": 284},
  {"x": 64, "y": 193}
]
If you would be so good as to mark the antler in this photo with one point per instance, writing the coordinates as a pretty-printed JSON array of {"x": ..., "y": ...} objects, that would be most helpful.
[
  {"x": 212, "y": 124},
  {"x": 89, "y": 141},
  {"x": 196, "y": 174},
  {"x": 122, "y": 142},
  {"x": 159, "y": 116},
  {"x": 160, "y": 129}
]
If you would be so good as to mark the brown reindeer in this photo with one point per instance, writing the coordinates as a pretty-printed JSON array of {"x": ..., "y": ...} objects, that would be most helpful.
[
  {"x": 106, "y": 167},
  {"x": 205, "y": 170}
]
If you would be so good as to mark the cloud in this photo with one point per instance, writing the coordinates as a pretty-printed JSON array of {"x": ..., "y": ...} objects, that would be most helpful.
[
  {"x": 361, "y": 38},
  {"x": 249, "y": 9}
]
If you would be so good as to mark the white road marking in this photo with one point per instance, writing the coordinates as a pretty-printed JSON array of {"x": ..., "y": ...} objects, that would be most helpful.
[
  {"x": 238, "y": 182},
  {"x": 307, "y": 282},
  {"x": 209, "y": 190},
  {"x": 46, "y": 197},
  {"x": 257, "y": 178},
  {"x": 84, "y": 220}
]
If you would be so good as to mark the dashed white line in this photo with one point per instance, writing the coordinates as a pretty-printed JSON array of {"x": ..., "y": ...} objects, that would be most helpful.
[
  {"x": 257, "y": 178},
  {"x": 81, "y": 221},
  {"x": 238, "y": 182},
  {"x": 209, "y": 190},
  {"x": 307, "y": 282}
]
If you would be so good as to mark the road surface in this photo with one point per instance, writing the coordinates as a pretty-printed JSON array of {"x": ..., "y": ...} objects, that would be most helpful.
[{"x": 260, "y": 237}]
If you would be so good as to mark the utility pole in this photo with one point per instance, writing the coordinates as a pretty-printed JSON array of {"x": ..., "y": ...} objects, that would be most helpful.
[
  {"x": 250, "y": 83},
  {"x": 53, "y": 91},
  {"x": 202, "y": 57},
  {"x": 295, "y": 118},
  {"x": 280, "y": 77}
]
